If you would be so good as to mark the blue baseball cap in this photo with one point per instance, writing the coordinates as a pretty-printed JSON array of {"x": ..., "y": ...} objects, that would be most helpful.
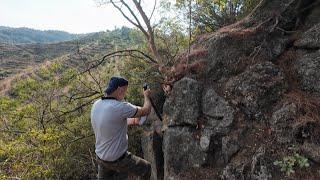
[{"x": 114, "y": 83}]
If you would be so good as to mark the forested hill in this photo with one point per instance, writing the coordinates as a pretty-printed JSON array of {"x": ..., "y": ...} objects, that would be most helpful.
[
  {"x": 27, "y": 35},
  {"x": 240, "y": 101},
  {"x": 54, "y": 94},
  {"x": 16, "y": 57}
]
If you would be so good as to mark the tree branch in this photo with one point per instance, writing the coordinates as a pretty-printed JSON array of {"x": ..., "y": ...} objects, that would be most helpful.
[
  {"x": 137, "y": 23},
  {"x": 113, "y": 54},
  {"x": 154, "y": 8}
]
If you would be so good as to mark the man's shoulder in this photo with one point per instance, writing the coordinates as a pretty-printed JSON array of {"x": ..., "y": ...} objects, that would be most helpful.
[
  {"x": 125, "y": 103},
  {"x": 96, "y": 101},
  {"x": 114, "y": 103}
]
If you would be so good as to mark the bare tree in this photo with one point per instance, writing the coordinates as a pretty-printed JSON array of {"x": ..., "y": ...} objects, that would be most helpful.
[{"x": 138, "y": 17}]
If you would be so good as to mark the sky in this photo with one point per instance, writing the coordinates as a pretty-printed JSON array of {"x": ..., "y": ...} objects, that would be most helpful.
[{"x": 74, "y": 16}]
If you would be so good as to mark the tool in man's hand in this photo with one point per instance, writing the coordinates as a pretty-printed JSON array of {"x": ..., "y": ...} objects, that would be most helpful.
[{"x": 145, "y": 87}]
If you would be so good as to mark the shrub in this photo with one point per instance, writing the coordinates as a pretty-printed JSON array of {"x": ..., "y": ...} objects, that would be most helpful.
[{"x": 288, "y": 163}]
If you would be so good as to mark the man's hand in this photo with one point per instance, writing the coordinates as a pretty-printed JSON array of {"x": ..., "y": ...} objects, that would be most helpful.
[
  {"x": 146, "y": 109},
  {"x": 133, "y": 121},
  {"x": 147, "y": 93}
]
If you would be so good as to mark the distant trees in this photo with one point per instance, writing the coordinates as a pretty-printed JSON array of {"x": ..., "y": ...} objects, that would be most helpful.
[
  {"x": 27, "y": 35},
  {"x": 45, "y": 129},
  {"x": 39, "y": 125},
  {"x": 210, "y": 15},
  {"x": 207, "y": 16}
]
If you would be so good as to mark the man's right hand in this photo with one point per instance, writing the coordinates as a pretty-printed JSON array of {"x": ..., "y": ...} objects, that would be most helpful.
[
  {"x": 146, "y": 108},
  {"x": 147, "y": 93}
]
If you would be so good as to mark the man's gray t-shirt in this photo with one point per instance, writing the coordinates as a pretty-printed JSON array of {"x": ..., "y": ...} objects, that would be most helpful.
[{"x": 109, "y": 122}]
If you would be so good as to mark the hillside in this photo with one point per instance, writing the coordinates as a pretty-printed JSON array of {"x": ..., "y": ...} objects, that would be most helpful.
[
  {"x": 27, "y": 35},
  {"x": 16, "y": 57},
  {"x": 62, "y": 88},
  {"x": 241, "y": 102},
  {"x": 21, "y": 59}
]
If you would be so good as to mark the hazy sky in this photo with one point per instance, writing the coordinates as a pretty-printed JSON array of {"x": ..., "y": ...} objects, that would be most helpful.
[{"x": 75, "y": 16}]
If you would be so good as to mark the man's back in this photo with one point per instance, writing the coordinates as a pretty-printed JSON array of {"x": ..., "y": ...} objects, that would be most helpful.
[{"x": 109, "y": 122}]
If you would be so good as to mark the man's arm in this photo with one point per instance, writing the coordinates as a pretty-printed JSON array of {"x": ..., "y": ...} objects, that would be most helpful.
[
  {"x": 146, "y": 108},
  {"x": 141, "y": 111},
  {"x": 133, "y": 121}
]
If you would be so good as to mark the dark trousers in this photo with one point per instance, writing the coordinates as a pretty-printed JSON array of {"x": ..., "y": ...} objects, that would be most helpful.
[{"x": 119, "y": 169}]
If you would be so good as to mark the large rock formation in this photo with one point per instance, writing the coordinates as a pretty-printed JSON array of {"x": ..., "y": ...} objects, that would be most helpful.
[
  {"x": 183, "y": 105},
  {"x": 250, "y": 101},
  {"x": 310, "y": 39},
  {"x": 256, "y": 88},
  {"x": 308, "y": 71}
]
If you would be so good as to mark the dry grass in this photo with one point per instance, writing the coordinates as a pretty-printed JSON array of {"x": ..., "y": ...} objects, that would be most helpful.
[
  {"x": 5, "y": 85},
  {"x": 204, "y": 173},
  {"x": 308, "y": 105},
  {"x": 308, "y": 120},
  {"x": 185, "y": 63}
]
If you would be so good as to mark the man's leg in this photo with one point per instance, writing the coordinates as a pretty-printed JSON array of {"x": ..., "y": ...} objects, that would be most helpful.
[
  {"x": 136, "y": 165},
  {"x": 104, "y": 173},
  {"x": 109, "y": 171}
]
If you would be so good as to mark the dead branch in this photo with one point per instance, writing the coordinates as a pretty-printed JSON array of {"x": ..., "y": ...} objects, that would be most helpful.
[
  {"x": 98, "y": 83},
  {"x": 148, "y": 30},
  {"x": 128, "y": 52}
]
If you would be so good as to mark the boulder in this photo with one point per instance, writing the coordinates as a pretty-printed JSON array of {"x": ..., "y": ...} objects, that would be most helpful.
[
  {"x": 259, "y": 170},
  {"x": 151, "y": 143},
  {"x": 256, "y": 89},
  {"x": 232, "y": 172},
  {"x": 148, "y": 142},
  {"x": 255, "y": 169},
  {"x": 183, "y": 105},
  {"x": 282, "y": 120},
  {"x": 182, "y": 151},
  {"x": 310, "y": 39},
  {"x": 230, "y": 146},
  {"x": 205, "y": 140},
  {"x": 230, "y": 52},
  {"x": 308, "y": 72},
  {"x": 239, "y": 77},
  {"x": 218, "y": 114},
  {"x": 256, "y": 38}
]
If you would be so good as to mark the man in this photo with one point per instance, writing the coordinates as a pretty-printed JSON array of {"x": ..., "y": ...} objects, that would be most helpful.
[{"x": 109, "y": 118}]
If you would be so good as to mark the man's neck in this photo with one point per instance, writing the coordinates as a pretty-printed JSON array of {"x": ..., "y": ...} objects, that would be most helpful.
[{"x": 111, "y": 96}]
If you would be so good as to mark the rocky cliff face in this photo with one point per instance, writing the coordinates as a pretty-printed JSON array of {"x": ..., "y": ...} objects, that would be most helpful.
[{"x": 256, "y": 100}]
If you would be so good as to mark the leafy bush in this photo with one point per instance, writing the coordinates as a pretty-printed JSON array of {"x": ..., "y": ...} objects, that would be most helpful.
[{"x": 288, "y": 163}]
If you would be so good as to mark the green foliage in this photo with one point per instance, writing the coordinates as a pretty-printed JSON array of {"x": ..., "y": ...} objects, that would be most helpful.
[
  {"x": 45, "y": 129},
  {"x": 120, "y": 37},
  {"x": 288, "y": 163},
  {"x": 208, "y": 15},
  {"x": 42, "y": 135},
  {"x": 171, "y": 40},
  {"x": 134, "y": 141},
  {"x": 18, "y": 57}
]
